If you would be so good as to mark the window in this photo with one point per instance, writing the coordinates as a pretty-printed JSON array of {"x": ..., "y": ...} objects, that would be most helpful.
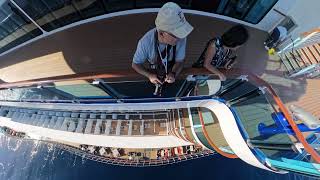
[
  {"x": 15, "y": 27},
  {"x": 54, "y": 14},
  {"x": 212, "y": 128},
  {"x": 258, "y": 10}
]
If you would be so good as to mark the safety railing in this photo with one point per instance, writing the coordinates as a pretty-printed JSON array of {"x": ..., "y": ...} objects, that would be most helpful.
[
  {"x": 120, "y": 161},
  {"x": 279, "y": 107},
  {"x": 137, "y": 163},
  {"x": 273, "y": 98}
]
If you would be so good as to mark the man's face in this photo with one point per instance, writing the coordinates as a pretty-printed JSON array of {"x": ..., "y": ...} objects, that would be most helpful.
[{"x": 169, "y": 38}]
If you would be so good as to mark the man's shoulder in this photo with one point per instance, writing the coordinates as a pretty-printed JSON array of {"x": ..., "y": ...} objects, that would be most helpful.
[
  {"x": 148, "y": 37},
  {"x": 182, "y": 41},
  {"x": 144, "y": 51}
]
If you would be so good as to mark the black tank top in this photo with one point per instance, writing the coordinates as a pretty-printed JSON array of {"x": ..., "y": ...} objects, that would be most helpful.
[{"x": 221, "y": 58}]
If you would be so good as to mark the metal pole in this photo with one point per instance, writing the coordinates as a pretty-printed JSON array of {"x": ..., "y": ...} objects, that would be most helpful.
[{"x": 23, "y": 12}]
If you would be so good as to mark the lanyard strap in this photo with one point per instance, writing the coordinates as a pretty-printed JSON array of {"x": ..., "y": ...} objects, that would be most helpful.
[{"x": 164, "y": 60}]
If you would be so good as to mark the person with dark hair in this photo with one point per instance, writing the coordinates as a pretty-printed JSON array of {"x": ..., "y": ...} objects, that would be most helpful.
[{"x": 220, "y": 51}]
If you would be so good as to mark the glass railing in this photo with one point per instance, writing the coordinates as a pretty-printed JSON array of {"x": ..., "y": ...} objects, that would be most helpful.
[
  {"x": 268, "y": 129},
  {"x": 80, "y": 89},
  {"x": 33, "y": 94},
  {"x": 57, "y": 91},
  {"x": 91, "y": 89}
]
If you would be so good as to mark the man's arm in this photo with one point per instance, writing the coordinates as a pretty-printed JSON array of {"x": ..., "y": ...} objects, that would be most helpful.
[
  {"x": 141, "y": 70},
  {"x": 176, "y": 70},
  {"x": 139, "y": 58}
]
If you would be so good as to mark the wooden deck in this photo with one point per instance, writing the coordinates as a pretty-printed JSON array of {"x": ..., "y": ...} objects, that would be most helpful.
[{"x": 109, "y": 44}]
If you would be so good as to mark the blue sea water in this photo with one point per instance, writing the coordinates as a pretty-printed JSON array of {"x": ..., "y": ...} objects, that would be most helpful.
[{"x": 32, "y": 160}]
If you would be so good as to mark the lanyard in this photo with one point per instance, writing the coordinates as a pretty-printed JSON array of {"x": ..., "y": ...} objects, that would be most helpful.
[{"x": 164, "y": 60}]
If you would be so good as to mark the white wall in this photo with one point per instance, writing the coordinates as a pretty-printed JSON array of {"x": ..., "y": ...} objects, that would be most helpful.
[{"x": 306, "y": 15}]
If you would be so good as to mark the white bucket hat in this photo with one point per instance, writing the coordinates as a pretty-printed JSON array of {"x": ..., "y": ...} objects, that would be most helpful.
[{"x": 170, "y": 18}]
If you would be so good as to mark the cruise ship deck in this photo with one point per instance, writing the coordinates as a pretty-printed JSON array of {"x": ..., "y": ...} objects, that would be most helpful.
[
  {"x": 108, "y": 45},
  {"x": 66, "y": 78}
]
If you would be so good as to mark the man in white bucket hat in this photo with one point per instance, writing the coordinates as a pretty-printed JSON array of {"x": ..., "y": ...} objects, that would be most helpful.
[{"x": 164, "y": 46}]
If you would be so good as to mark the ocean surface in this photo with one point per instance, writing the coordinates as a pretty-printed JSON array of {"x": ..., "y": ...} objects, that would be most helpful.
[{"x": 33, "y": 160}]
